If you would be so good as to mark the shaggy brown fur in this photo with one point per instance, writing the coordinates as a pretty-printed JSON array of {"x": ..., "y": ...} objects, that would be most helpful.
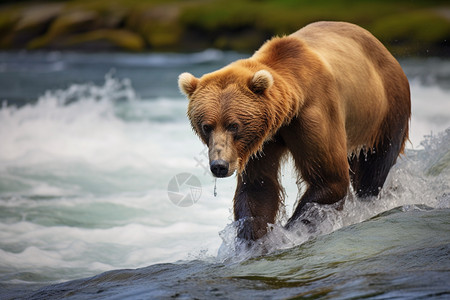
[{"x": 330, "y": 94}]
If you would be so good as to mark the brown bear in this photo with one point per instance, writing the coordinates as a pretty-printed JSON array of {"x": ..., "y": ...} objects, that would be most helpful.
[{"x": 329, "y": 94}]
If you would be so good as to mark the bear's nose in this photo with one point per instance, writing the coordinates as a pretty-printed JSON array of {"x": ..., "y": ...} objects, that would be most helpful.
[{"x": 219, "y": 167}]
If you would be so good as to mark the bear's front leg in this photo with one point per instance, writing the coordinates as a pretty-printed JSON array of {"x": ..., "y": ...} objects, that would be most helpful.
[
  {"x": 327, "y": 183},
  {"x": 259, "y": 193},
  {"x": 317, "y": 142},
  {"x": 255, "y": 205}
]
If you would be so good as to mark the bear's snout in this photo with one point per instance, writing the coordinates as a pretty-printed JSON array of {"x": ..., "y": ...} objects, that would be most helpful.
[{"x": 219, "y": 168}]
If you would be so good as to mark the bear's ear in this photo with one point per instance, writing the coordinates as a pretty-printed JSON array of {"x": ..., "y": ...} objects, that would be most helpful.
[
  {"x": 261, "y": 81},
  {"x": 187, "y": 83}
]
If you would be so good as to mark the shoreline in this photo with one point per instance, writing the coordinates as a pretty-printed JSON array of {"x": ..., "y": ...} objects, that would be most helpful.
[{"x": 418, "y": 29}]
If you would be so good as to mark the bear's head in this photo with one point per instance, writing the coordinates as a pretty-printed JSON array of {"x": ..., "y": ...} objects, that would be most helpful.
[{"x": 231, "y": 113}]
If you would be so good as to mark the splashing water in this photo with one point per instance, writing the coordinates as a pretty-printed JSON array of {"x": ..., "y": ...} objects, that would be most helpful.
[{"x": 419, "y": 181}]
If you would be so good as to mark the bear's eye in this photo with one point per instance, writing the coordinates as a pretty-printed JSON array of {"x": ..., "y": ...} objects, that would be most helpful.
[
  {"x": 233, "y": 127},
  {"x": 207, "y": 129}
]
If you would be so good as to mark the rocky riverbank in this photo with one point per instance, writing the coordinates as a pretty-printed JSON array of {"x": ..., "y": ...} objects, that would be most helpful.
[{"x": 407, "y": 28}]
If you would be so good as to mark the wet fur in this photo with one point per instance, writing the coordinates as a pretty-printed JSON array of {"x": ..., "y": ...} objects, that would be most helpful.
[{"x": 339, "y": 104}]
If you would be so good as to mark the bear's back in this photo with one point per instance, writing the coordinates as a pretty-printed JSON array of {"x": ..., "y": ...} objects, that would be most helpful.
[{"x": 362, "y": 67}]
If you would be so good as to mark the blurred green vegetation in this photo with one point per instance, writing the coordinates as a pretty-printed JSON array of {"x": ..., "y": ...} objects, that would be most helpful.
[{"x": 407, "y": 27}]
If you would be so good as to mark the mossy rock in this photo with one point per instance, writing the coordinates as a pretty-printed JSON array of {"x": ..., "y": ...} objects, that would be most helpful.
[
  {"x": 8, "y": 20},
  {"x": 107, "y": 38},
  {"x": 158, "y": 25},
  {"x": 38, "y": 15},
  {"x": 220, "y": 15},
  {"x": 33, "y": 22},
  {"x": 162, "y": 36},
  {"x": 227, "y": 24},
  {"x": 64, "y": 25}
]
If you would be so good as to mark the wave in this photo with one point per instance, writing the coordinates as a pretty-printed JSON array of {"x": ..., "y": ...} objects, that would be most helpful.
[
  {"x": 106, "y": 132},
  {"x": 398, "y": 254}
]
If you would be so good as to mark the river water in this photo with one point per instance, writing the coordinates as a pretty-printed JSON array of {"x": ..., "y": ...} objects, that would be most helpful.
[{"x": 89, "y": 146}]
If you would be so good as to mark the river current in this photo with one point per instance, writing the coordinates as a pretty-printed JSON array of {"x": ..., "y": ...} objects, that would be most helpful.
[{"x": 89, "y": 146}]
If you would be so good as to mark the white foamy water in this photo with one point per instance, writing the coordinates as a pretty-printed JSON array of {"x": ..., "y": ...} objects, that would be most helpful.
[
  {"x": 84, "y": 173},
  {"x": 430, "y": 111},
  {"x": 83, "y": 176}
]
